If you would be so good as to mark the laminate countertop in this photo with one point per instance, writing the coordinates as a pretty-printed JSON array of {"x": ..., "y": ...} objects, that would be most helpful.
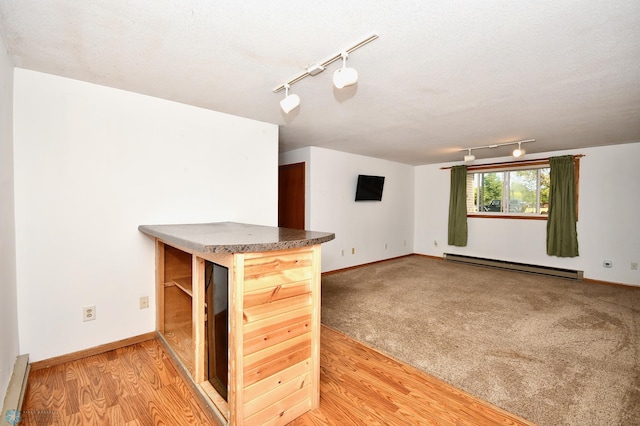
[{"x": 232, "y": 237}]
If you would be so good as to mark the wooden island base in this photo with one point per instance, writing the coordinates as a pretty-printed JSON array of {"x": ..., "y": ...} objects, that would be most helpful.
[{"x": 238, "y": 306}]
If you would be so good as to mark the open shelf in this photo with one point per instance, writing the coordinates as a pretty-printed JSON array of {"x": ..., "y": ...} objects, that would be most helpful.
[
  {"x": 178, "y": 304},
  {"x": 183, "y": 284},
  {"x": 178, "y": 327}
]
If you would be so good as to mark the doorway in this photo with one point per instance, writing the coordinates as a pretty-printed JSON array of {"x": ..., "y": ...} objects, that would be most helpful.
[{"x": 291, "y": 195}]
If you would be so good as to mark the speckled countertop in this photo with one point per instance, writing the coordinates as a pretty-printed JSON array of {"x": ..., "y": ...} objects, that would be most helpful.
[{"x": 231, "y": 237}]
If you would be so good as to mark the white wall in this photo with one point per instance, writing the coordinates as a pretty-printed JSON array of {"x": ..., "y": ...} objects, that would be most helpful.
[
  {"x": 363, "y": 226},
  {"x": 608, "y": 226},
  {"x": 91, "y": 164},
  {"x": 9, "y": 347}
]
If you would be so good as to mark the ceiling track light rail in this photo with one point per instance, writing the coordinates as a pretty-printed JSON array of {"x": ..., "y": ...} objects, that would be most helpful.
[
  {"x": 315, "y": 69},
  {"x": 518, "y": 152},
  {"x": 343, "y": 77}
]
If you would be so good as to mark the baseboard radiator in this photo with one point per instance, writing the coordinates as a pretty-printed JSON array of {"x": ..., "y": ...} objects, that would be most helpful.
[{"x": 514, "y": 266}]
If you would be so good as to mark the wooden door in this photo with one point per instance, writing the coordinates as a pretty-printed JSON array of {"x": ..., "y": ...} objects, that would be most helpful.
[{"x": 291, "y": 194}]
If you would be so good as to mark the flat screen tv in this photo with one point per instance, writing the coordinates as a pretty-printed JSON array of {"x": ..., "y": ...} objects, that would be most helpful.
[{"x": 369, "y": 188}]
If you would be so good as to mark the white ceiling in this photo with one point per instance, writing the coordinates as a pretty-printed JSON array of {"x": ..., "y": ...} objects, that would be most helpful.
[{"x": 442, "y": 76}]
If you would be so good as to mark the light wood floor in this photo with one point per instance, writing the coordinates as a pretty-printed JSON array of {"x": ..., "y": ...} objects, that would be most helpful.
[{"x": 138, "y": 385}]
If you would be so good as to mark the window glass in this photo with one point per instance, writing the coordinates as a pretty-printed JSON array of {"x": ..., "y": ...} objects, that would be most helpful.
[
  {"x": 523, "y": 189},
  {"x": 491, "y": 190},
  {"x": 509, "y": 192}
]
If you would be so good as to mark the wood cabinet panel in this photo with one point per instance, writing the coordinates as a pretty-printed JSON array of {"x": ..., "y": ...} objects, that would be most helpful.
[
  {"x": 284, "y": 410},
  {"x": 268, "y": 338},
  {"x": 257, "y": 328},
  {"x": 272, "y": 382},
  {"x": 276, "y": 262},
  {"x": 273, "y": 310},
  {"x": 278, "y": 292},
  {"x": 256, "y": 313},
  {"x": 279, "y": 277},
  {"x": 277, "y": 351},
  {"x": 276, "y": 394},
  {"x": 260, "y": 372},
  {"x": 278, "y": 316}
]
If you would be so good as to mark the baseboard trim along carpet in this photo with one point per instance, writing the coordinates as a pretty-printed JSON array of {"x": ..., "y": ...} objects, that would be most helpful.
[{"x": 515, "y": 266}]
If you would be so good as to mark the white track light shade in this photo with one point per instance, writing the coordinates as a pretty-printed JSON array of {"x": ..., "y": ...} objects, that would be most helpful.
[
  {"x": 344, "y": 77},
  {"x": 469, "y": 158},
  {"x": 519, "y": 152},
  {"x": 290, "y": 102}
]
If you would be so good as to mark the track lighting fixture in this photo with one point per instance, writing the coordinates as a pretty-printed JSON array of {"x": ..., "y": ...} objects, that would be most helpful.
[
  {"x": 290, "y": 102},
  {"x": 342, "y": 77},
  {"x": 469, "y": 158},
  {"x": 518, "y": 152}
]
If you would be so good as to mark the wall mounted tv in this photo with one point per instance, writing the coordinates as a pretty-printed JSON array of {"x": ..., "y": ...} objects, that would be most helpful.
[{"x": 369, "y": 188}]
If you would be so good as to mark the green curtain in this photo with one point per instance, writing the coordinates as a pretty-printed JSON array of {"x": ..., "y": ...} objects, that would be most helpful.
[
  {"x": 562, "y": 237},
  {"x": 458, "y": 207}
]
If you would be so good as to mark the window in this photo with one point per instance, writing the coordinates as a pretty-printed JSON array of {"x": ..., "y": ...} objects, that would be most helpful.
[
  {"x": 509, "y": 191},
  {"x": 514, "y": 190}
]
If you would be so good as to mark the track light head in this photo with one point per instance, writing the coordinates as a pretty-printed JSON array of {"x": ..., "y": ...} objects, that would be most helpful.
[
  {"x": 290, "y": 102},
  {"x": 344, "y": 76},
  {"x": 469, "y": 158},
  {"x": 519, "y": 152}
]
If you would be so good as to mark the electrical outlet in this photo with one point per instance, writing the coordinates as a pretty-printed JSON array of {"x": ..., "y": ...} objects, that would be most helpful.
[
  {"x": 341, "y": 252},
  {"x": 385, "y": 246},
  {"x": 607, "y": 263},
  {"x": 144, "y": 302},
  {"x": 89, "y": 313},
  {"x": 353, "y": 250},
  {"x": 435, "y": 243},
  {"x": 634, "y": 266}
]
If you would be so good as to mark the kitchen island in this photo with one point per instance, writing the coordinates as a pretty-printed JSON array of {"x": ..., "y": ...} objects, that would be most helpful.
[{"x": 238, "y": 307}]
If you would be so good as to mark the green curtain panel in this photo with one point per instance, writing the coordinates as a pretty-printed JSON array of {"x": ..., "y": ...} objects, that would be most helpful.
[
  {"x": 458, "y": 207},
  {"x": 562, "y": 237}
]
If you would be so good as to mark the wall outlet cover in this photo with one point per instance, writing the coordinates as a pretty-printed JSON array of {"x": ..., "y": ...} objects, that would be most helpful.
[
  {"x": 144, "y": 302},
  {"x": 89, "y": 313}
]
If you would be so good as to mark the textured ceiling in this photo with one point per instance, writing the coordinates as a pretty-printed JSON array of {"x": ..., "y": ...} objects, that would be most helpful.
[{"x": 442, "y": 76}]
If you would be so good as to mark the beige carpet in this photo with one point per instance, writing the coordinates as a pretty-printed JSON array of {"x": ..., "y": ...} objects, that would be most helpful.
[{"x": 551, "y": 350}]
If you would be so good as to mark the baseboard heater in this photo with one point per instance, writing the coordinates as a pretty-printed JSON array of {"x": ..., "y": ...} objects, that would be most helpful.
[{"x": 514, "y": 266}]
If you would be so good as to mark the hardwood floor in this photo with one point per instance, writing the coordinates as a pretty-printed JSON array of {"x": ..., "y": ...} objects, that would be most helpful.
[
  {"x": 138, "y": 385},
  {"x": 361, "y": 386}
]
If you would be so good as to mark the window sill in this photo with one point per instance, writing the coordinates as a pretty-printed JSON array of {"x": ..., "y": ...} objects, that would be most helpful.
[{"x": 508, "y": 216}]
